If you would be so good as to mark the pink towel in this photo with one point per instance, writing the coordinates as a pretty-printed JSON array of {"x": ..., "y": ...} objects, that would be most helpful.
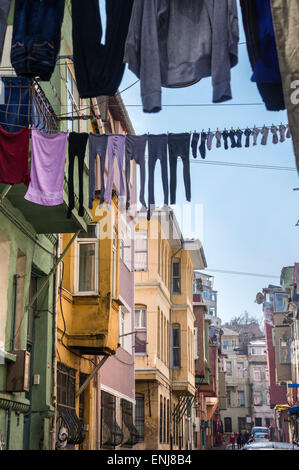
[{"x": 47, "y": 168}]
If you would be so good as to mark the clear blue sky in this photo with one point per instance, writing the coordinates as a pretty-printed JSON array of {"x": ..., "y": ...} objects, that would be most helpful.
[{"x": 249, "y": 214}]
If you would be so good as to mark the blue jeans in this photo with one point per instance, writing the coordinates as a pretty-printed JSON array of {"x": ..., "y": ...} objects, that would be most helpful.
[
  {"x": 36, "y": 37},
  {"x": 16, "y": 113}
]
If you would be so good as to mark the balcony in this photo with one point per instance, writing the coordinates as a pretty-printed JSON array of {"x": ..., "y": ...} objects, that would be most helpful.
[{"x": 43, "y": 219}]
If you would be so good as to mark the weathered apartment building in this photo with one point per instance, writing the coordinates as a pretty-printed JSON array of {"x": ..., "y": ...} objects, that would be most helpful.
[
  {"x": 164, "y": 323},
  {"x": 280, "y": 308},
  {"x": 209, "y": 371},
  {"x": 67, "y": 309}
]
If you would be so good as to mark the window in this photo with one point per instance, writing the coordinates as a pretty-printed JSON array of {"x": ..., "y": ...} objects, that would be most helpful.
[
  {"x": 87, "y": 261},
  {"x": 130, "y": 433},
  {"x": 241, "y": 398},
  {"x": 73, "y": 102},
  {"x": 234, "y": 343},
  {"x": 258, "y": 422},
  {"x": 111, "y": 433},
  {"x": 114, "y": 263},
  {"x": 241, "y": 424},
  {"x": 195, "y": 345},
  {"x": 284, "y": 351},
  {"x": 176, "y": 347},
  {"x": 161, "y": 419},
  {"x": 140, "y": 327},
  {"x": 125, "y": 327},
  {"x": 125, "y": 243},
  {"x": 164, "y": 421},
  {"x": 197, "y": 286},
  {"x": 227, "y": 425},
  {"x": 229, "y": 402},
  {"x": 240, "y": 370},
  {"x": 168, "y": 421},
  {"x": 257, "y": 375},
  {"x": 268, "y": 422},
  {"x": 139, "y": 418},
  {"x": 141, "y": 251},
  {"x": 66, "y": 386},
  {"x": 281, "y": 302},
  {"x": 225, "y": 344},
  {"x": 176, "y": 277},
  {"x": 229, "y": 368},
  {"x": 257, "y": 399}
]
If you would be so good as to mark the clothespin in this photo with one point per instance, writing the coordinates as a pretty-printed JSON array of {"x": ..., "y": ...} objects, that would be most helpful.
[{"x": 68, "y": 131}]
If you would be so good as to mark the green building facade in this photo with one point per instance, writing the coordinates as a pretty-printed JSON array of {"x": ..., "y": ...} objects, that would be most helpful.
[{"x": 29, "y": 253}]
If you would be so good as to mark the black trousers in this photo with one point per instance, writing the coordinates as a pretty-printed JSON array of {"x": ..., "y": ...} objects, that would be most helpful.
[
  {"x": 77, "y": 147},
  {"x": 99, "y": 68},
  {"x": 179, "y": 146},
  {"x": 157, "y": 150},
  {"x": 135, "y": 150}
]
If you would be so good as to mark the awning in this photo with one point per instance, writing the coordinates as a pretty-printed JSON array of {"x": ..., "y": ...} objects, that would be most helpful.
[
  {"x": 294, "y": 410},
  {"x": 281, "y": 407}
]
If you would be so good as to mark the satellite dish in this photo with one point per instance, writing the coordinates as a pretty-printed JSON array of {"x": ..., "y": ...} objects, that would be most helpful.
[{"x": 259, "y": 298}]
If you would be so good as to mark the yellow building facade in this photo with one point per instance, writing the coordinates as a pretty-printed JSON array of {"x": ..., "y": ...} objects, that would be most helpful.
[
  {"x": 164, "y": 325},
  {"x": 88, "y": 314}
]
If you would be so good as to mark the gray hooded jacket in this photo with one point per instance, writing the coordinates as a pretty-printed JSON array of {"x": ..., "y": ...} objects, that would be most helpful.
[{"x": 176, "y": 43}]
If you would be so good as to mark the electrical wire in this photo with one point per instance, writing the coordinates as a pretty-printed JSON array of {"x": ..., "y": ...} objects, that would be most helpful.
[
  {"x": 64, "y": 323},
  {"x": 222, "y": 271}
]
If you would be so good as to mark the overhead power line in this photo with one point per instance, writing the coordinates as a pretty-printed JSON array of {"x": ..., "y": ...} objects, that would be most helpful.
[{"x": 238, "y": 273}]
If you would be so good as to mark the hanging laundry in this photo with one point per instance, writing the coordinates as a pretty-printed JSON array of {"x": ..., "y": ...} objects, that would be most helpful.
[
  {"x": 288, "y": 135},
  {"x": 179, "y": 146},
  {"x": 17, "y": 110},
  {"x": 210, "y": 138},
  {"x": 285, "y": 19},
  {"x": 176, "y": 44},
  {"x": 77, "y": 147},
  {"x": 202, "y": 147},
  {"x": 218, "y": 138},
  {"x": 262, "y": 52},
  {"x": 36, "y": 37},
  {"x": 225, "y": 138},
  {"x": 274, "y": 131},
  {"x": 255, "y": 134},
  {"x": 265, "y": 133},
  {"x": 116, "y": 149},
  {"x": 194, "y": 143},
  {"x": 247, "y": 133},
  {"x": 282, "y": 132},
  {"x": 47, "y": 168},
  {"x": 14, "y": 157},
  {"x": 4, "y": 11},
  {"x": 135, "y": 150},
  {"x": 157, "y": 150},
  {"x": 97, "y": 146},
  {"x": 232, "y": 135},
  {"x": 99, "y": 68},
  {"x": 239, "y": 135}
]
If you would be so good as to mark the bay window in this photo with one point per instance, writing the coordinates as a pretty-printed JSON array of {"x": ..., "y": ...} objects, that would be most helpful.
[{"x": 87, "y": 262}]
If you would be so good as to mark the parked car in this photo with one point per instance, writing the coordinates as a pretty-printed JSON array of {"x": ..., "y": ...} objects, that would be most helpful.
[
  {"x": 269, "y": 445},
  {"x": 256, "y": 429},
  {"x": 259, "y": 436}
]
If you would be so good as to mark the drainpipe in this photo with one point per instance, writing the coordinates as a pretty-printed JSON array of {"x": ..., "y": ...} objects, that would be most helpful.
[
  {"x": 170, "y": 337},
  {"x": 54, "y": 345}
]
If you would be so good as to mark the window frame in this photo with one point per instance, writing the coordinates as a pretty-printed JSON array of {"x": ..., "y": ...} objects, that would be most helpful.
[
  {"x": 136, "y": 250},
  {"x": 87, "y": 241},
  {"x": 140, "y": 418},
  {"x": 288, "y": 347},
  {"x": 172, "y": 366},
  {"x": 179, "y": 277},
  {"x": 141, "y": 329}
]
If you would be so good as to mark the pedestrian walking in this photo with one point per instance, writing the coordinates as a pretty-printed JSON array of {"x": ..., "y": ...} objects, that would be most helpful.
[
  {"x": 239, "y": 440},
  {"x": 233, "y": 441}
]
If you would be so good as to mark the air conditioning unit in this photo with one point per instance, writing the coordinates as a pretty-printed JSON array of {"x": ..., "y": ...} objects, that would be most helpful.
[{"x": 18, "y": 373}]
